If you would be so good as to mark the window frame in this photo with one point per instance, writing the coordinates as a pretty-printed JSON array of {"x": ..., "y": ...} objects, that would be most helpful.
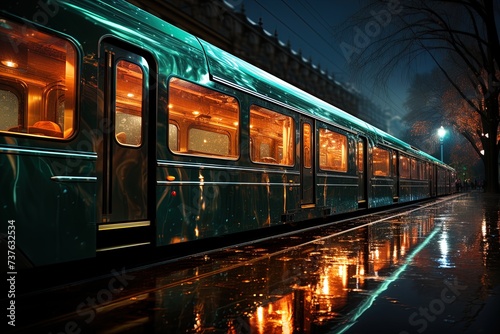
[
  {"x": 387, "y": 163},
  {"x": 143, "y": 88},
  {"x": 346, "y": 153},
  {"x": 292, "y": 135},
  {"x": 233, "y": 143},
  {"x": 404, "y": 169},
  {"x": 26, "y": 115},
  {"x": 414, "y": 169}
]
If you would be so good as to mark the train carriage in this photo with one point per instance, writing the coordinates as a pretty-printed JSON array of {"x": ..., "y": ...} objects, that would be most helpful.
[{"x": 120, "y": 130}]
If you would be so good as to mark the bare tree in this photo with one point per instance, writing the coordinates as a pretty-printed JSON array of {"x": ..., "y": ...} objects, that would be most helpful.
[
  {"x": 430, "y": 102},
  {"x": 424, "y": 110},
  {"x": 460, "y": 37}
]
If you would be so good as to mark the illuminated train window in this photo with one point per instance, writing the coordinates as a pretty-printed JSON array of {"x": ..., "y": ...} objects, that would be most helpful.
[
  {"x": 307, "y": 144},
  {"x": 37, "y": 82},
  {"x": 394, "y": 164},
  {"x": 202, "y": 121},
  {"x": 332, "y": 151},
  {"x": 381, "y": 162},
  {"x": 404, "y": 167},
  {"x": 128, "y": 110},
  {"x": 414, "y": 170},
  {"x": 423, "y": 170},
  {"x": 272, "y": 138},
  {"x": 360, "y": 156}
]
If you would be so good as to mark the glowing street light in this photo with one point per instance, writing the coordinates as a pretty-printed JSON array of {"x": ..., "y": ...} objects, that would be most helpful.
[{"x": 441, "y": 134}]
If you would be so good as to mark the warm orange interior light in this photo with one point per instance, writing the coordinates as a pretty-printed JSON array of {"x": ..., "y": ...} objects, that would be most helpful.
[{"x": 9, "y": 63}]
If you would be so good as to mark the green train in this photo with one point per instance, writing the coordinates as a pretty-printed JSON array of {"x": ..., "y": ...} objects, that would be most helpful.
[{"x": 118, "y": 130}]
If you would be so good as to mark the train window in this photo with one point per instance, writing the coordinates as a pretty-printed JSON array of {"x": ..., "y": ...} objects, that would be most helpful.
[
  {"x": 271, "y": 137},
  {"x": 202, "y": 121},
  {"x": 128, "y": 107},
  {"x": 394, "y": 163},
  {"x": 381, "y": 162},
  {"x": 208, "y": 142},
  {"x": 307, "y": 142},
  {"x": 361, "y": 156},
  {"x": 423, "y": 170},
  {"x": 404, "y": 167},
  {"x": 333, "y": 151},
  {"x": 414, "y": 169},
  {"x": 43, "y": 68},
  {"x": 173, "y": 137}
]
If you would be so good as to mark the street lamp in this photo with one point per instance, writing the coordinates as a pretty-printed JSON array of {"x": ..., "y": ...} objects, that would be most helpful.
[{"x": 441, "y": 134}]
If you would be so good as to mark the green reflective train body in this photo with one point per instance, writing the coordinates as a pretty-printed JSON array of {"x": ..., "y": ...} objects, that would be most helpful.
[{"x": 120, "y": 130}]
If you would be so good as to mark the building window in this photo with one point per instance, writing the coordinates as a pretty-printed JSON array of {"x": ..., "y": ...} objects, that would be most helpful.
[
  {"x": 272, "y": 137},
  {"x": 333, "y": 151}
]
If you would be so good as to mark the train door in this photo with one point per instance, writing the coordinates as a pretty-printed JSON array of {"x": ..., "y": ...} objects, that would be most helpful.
[
  {"x": 124, "y": 181},
  {"x": 307, "y": 162},
  {"x": 361, "y": 165}
]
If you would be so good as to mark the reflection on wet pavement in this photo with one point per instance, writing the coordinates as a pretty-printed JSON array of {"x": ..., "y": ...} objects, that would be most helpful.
[{"x": 433, "y": 270}]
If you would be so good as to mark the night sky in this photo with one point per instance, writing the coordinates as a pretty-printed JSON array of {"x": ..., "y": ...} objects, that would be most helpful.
[{"x": 309, "y": 26}]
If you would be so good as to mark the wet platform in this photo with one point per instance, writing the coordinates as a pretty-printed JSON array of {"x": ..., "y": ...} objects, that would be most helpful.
[{"x": 435, "y": 269}]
